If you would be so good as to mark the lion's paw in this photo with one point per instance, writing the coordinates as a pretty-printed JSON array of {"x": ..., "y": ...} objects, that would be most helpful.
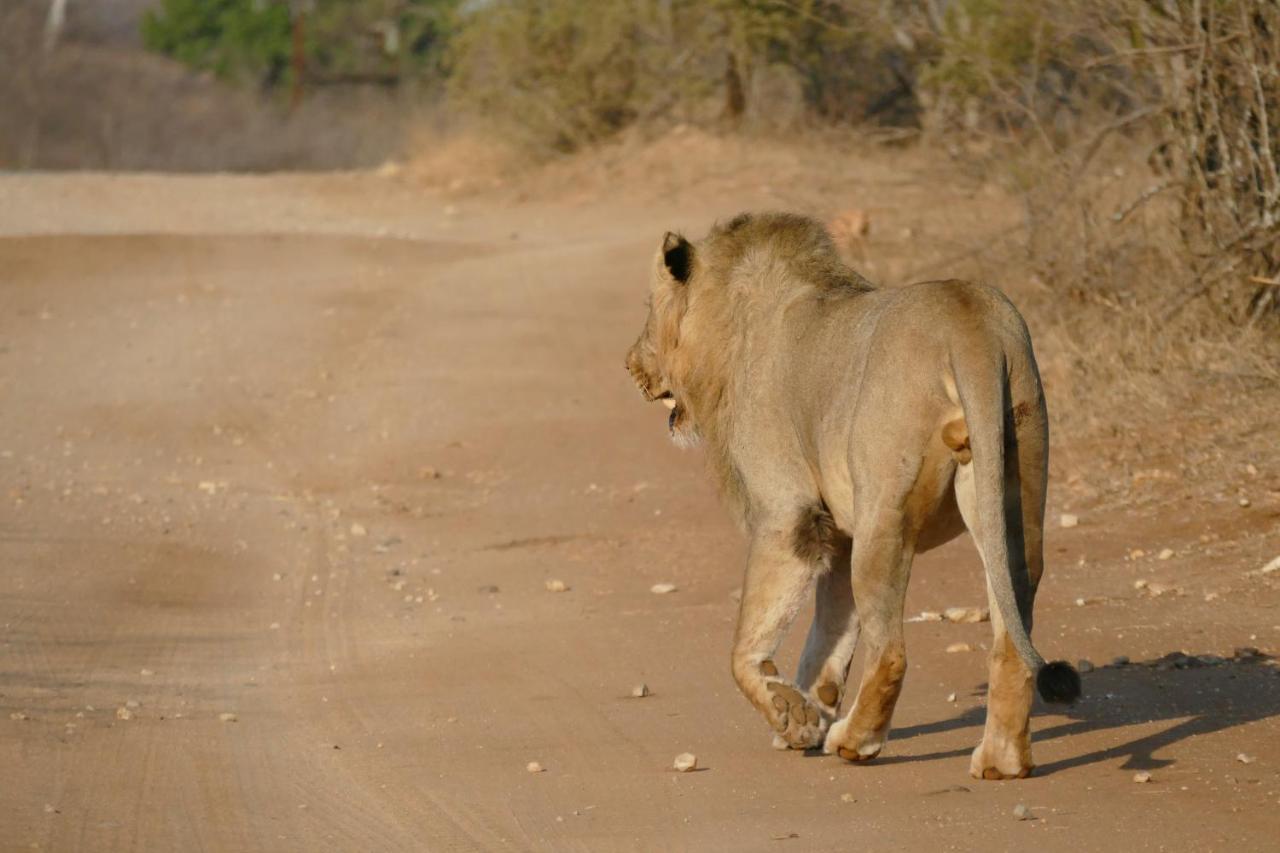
[
  {"x": 996, "y": 763},
  {"x": 797, "y": 720},
  {"x": 851, "y": 746}
]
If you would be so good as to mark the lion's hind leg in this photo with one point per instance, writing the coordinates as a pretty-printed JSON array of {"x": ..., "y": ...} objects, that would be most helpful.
[
  {"x": 776, "y": 582},
  {"x": 1005, "y": 749},
  {"x": 881, "y": 567}
]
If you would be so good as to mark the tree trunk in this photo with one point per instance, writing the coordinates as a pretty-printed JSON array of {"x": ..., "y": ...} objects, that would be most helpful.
[{"x": 54, "y": 23}]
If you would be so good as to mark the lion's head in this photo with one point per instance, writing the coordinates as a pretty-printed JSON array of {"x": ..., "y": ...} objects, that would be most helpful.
[{"x": 655, "y": 361}]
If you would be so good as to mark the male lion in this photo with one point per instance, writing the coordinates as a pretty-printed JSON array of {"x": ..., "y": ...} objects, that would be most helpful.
[{"x": 849, "y": 428}]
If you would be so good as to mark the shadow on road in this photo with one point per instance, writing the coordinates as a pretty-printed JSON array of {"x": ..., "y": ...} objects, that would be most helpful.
[{"x": 1197, "y": 694}]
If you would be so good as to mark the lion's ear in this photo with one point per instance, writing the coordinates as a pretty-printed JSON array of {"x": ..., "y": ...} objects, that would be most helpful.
[{"x": 677, "y": 257}]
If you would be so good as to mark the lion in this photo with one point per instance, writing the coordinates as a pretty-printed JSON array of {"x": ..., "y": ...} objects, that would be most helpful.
[{"x": 848, "y": 428}]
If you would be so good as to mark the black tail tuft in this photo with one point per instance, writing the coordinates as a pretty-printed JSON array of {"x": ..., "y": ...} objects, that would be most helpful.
[{"x": 1058, "y": 682}]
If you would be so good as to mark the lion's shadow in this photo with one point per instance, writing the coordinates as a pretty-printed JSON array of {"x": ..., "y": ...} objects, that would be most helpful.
[{"x": 1200, "y": 698}]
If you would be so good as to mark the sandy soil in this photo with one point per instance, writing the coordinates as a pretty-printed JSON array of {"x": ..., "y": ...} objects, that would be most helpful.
[{"x": 285, "y": 466}]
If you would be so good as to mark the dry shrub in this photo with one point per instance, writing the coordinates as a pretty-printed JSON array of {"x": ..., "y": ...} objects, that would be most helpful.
[{"x": 1224, "y": 122}]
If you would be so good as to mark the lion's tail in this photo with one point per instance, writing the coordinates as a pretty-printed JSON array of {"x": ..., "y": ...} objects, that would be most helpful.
[{"x": 982, "y": 382}]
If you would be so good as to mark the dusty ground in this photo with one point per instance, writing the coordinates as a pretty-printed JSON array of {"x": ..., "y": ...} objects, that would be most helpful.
[{"x": 285, "y": 464}]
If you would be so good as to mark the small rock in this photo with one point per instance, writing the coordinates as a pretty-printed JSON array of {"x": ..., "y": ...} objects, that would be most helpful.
[
  {"x": 1021, "y": 812},
  {"x": 1165, "y": 554},
  {"x": 1245, "y": 653},
  {"x": 358, "y": 529},
  {"x": 1069, "y": 520},
  {"x": 1251, "y": 469},
  {"x": 1120, "y": 660},
  {"x": 1245, "y": 503},
  {"x": 1142, "y": 777},
  {"x": 17, "y": 715},
  {"x": 556, "y": 585},
  {"x": 966, "y": 614},
  {"x": 1269, "y": 568},
  {"x": 124, "y": 714},
  {"x": 662, "y": 588},
  {"x": 927, "y": 616},
  {"x": 848, "y": 798},
  {"x": 490, "y": 588},
  {"x": 959, "y": 647},
  {"x": 951, "y": 697},
  {"x": 1245, "y": 759},
  {"x": 640, "y": 691},
  {"x": 1137, "y": 554},
  {"x": 735, "y": 594},
  {"x": 534, "y": 767},
  {"x": 132, "y": 704},
  {"x": 1140, "y": 583},
  {"x": 146, "y": 672},
  {"x": 1083, "y": 665},
  {"x": 1211, "y": 596},
  {"x": 228, "y": 717},
  {"x": 685, "y": 762}
]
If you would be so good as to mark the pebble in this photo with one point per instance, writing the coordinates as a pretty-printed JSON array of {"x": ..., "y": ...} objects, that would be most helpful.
[
  {"x": 1021, "y": 812},
  {"x": 1165, "y": 554},
  {"x": 662, "y": 588},
  {"x": 1142, "y": 777},
  {"x": 685, "y": 762},
  {"x": 1069, "y": 520},
  {"x": 1244, "y": 502},
  {"x": 124, "y": 714},
  {"x": 966, "y": 614},
  {"x": 1245, "y": 759},
  {"x": 951, "y": 697},
  {"x": 1120, "y": 660},
  {"x": 534, "y": 767},
  {"x": 1273, "y": 566},
  {"x": 358, "y": 529},
  {"x": 228, "y": 717},
  {"x": 959, "y": 647},
  {"x": 927, "y": 616},
  {"x": 640, "y": 691},
  {"x": 1083, "y": 665},
  {"x": 848, "y": 798},
  {"x": 556, "y": 585}
]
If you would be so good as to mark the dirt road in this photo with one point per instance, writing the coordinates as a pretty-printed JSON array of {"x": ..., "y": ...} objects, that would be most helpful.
[{"x": 286, "y": 464}]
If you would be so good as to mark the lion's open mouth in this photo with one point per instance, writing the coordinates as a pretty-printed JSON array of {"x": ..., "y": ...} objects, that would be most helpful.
[{"x": 668, "y": 399}]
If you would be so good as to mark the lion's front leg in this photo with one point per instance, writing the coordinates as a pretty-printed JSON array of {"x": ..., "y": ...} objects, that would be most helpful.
[
  {"x": 776, "y": 581},
  {"x": 828, "y": 650}
]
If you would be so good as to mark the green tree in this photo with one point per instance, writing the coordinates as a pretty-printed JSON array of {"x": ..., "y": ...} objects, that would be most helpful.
[
  {"x": 384, "y": 41},
  {"x": 239, "y": 40}
]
